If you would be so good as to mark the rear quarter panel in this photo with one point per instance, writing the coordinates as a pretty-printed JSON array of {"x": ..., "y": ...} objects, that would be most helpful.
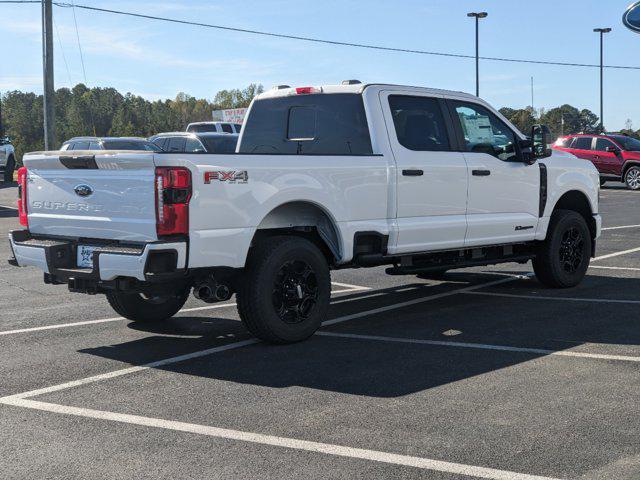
[{"x": 224, "y": 215}]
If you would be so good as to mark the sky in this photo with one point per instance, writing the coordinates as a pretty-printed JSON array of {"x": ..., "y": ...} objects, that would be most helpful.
[{"x": 157, "y": 60}]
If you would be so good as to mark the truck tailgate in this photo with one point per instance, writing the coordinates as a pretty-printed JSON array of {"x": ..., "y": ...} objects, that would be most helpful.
[{"x": 107, "y": 195}]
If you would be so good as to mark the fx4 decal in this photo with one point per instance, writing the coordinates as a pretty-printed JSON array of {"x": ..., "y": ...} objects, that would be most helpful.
[{"x": 227, "y": 176}]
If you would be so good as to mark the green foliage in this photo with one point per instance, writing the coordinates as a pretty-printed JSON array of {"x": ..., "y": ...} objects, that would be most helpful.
[{"x": 106, "y": 112}]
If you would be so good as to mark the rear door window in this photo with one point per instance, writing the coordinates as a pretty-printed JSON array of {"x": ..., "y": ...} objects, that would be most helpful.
[
  {"x": 226, "y": 127},
  {"x": 81, "y": 145},
  {"x": 176, "y": 144},
  {"x": 419, "y": 123},
  {"x": 316, "y": 124},
  {"x": 582, "y": 143}
]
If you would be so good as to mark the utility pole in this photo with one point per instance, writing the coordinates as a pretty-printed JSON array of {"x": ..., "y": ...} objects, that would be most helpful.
[
  {"x": 533, "y": 110},
  {"x": 47, "y": 74},
  {"x": 477, "y": 16},
  {"x": 602, "y": 31}
]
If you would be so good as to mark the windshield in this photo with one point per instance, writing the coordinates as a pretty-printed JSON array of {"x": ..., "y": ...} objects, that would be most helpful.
[
  {"x": 203, "y": 128},
  {"x": 219, "y": 144},
  {"x": 628, "y": 143},
  {"x": 131, "y": 145}
]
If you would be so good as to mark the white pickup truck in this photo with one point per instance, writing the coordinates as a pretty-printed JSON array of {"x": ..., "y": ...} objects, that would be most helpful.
[{"x": 323, "y": 178}]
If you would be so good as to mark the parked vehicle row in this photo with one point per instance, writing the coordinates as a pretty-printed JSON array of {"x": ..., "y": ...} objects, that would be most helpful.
[
  {"x": 617, "y": 157},
  {"x": 206, "y": 142},
  {"x": 338, "y": 176}
]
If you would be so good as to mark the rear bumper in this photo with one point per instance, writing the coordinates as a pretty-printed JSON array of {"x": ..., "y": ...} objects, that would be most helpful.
[{"x": 57, "y": 257}]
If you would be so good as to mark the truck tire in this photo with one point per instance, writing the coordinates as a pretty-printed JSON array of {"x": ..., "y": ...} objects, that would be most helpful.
[
  {"x": 632, "y": 178},
  {"x": 140, "y": 308},
  {"x": 8, "y": 170},
  {"x": 563, "y": 259},
  {"x": 284, "y": 295}
]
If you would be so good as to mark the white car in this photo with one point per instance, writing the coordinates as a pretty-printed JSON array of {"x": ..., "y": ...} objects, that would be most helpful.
[
  {"x": 220, "y": 127},
  {"x": 7, "y": 159},
  {"x": 338, "y": 176}
]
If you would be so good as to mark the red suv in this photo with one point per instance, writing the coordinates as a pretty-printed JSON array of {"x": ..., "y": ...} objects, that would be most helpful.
[{"x": 617, "y": 157}]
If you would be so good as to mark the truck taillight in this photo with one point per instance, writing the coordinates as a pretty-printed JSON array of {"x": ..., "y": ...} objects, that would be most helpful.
[
  {"x": 307, "y": 90},
  {"x": 173, "y": 192},
  {"x": 22, "y": 197}
]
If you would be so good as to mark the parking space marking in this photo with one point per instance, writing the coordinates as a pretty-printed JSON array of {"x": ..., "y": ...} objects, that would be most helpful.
[
  {"x": 351, "y": 288},
  {"x": 620, "y": 227},
  {"x": 417, "y": 301},
  {"x": 614, "y": 268},
  {"x": 542, "y": 297},
  {"x": 209, "y": 351},
  {"x": 282, "y": 442},
  {"x": 8, "y": 208},
  {"x": 482, "y": 346},
  {"x": 616, "y": 254},
  {"x": 102, "y": 320}
]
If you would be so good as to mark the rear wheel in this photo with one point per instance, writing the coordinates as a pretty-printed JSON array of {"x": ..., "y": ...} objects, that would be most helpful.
[
  {"x": 632, "y": 178},
  {"x": 285, "y": 293},
  {"x": 8, "y": 170},
  {"x": 563, "y": 259},
  {"x": 142, "y": 308}
]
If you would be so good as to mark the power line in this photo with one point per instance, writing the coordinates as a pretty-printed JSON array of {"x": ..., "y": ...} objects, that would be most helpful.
[
  {"x": 64, "y": 57},
  {"x": 325, "y": 41}
]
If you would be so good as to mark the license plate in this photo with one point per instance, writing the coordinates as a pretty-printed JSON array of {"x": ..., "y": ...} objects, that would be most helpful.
[{"x": 85, "y": 256}]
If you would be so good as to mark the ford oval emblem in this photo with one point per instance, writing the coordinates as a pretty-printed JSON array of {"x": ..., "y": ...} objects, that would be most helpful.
[
  {"x": 83, "y": 190},
  {"x": 631, "y": 17}
]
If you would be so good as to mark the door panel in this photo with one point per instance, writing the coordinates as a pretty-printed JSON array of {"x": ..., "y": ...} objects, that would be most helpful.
[
  {"x": 607, "y": 162},
  {"x": 431, "y": 179},
  {"x": 503, "y": 197}
]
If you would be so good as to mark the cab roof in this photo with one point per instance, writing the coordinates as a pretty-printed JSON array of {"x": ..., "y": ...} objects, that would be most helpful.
[{"x": 283, "y": 91}]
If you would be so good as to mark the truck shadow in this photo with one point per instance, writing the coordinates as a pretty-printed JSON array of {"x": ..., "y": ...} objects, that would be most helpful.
[
  {"x": 357, "y": 366},
  {"x": 8, "y": 212}
]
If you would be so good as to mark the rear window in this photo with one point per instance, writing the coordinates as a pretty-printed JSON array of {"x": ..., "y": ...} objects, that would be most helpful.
[
  {"x": 220, "y": 144},
  {"x": 130, "y": 145},
  {"x": 582, "y": 143},
  {"x": 318, "y": 124},
  {"x": 202, "y": 128}
]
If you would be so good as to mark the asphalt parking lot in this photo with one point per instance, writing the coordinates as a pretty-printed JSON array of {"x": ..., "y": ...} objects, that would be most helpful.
[{"x": 485, "y": 374}]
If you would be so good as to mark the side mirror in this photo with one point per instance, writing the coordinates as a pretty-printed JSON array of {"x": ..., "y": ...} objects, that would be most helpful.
[{"x": 541, "y": 138}]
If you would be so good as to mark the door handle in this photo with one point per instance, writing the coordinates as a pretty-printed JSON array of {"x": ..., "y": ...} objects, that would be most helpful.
[
  {"x": 481, "y": 173},
  {"x": 412, "y": 173}
]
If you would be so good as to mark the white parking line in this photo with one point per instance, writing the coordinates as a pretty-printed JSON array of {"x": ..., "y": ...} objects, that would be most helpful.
[
  {"x": 542, "y": 297},
  {"x": 22, "y": 400},
  {"x": 620, "y": 227},
  {"x": 8, "y": 208},
  {"x": 352, "y": 288},
  {"x": 616, "y": 254},
  {"x": 483, "y": 346},
  {"x": 282, "y": 442},
  {"x": 614, "y": 268},
  {"x": 202, "y": 353}
]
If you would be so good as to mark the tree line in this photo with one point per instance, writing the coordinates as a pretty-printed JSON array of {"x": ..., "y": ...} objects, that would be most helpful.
[{"x": 106, "y": 112}]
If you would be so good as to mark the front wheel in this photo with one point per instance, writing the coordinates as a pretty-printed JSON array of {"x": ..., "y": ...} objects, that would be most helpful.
[
  {"x": 632, "y": 178},
  {"x": 284, "y": 296},
  {"x": 563, "y": 259},
  {"x": 143, "y": 308}
]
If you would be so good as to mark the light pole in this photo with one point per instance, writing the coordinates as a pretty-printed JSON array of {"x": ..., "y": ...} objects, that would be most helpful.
[
  {"x": 601, "y": 31},
  {"x": 477, "y": 16}
]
